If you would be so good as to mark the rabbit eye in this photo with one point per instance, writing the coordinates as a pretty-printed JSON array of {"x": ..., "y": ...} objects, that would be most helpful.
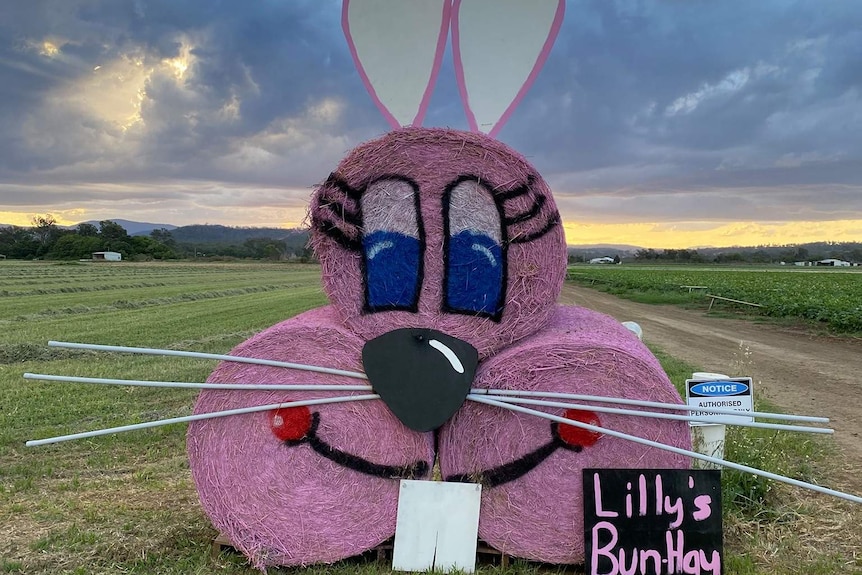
[
  {"x": 392, "y": 245},
  {"x": 474, "y": 251}
]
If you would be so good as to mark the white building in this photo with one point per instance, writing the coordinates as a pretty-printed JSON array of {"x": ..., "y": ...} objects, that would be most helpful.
[
  {"x": 834, "y": 262},
  {"x": 107, "y": 256},
  {"x": 604, "y": 260}
]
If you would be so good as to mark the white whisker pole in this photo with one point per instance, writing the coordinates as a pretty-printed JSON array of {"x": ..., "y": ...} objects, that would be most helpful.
[
  {"x": 200, "y": 355},
  {"x": 655, "y": 415},
  {"x": 672, "y": 449},
  {"x": 641, "y": 403},
  {"x": 197, "y": 417},
  {"x": 190, "y": 385},
  {"x": 359, "y": 375}
]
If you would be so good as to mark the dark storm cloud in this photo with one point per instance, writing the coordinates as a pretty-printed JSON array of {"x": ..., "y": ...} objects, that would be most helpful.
[
  {"x": 699, "y": 87},
  {"x": 671, "y": 109}
]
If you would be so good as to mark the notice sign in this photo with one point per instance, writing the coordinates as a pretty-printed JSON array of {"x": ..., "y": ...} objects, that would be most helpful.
[
  {"x": 730, "y": 394},
  {"x": 652, "y": 521}
]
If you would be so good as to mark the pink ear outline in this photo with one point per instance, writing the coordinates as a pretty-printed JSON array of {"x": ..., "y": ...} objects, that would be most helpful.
[
  {"x": 534, "y": 73},
  {"x": 435, "y": 68}
]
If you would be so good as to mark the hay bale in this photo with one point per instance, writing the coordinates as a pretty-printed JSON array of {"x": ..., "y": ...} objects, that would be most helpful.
[
  {"x": 286, "y": 504},
  {"x": 540, "y": 515},
  {"x": 433, "y": 161}
]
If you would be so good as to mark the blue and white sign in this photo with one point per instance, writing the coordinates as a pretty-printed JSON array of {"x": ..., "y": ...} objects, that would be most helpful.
[{"x": 729, "y": 394}]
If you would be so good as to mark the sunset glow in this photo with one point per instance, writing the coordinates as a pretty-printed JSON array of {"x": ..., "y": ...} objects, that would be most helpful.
[{"x": 655, "y": 235}]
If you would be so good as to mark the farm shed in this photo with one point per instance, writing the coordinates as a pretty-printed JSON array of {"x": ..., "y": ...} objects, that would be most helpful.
[
  {"x": 107, "y": 256},
  {"x": 605, "y": 260},
  {"x": 834, "y": 262}
]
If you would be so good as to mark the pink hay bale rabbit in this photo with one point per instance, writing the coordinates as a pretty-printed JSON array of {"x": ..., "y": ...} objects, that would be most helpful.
[
  {"x": 442, "y": 254},
  {"x": 289, "y": 501}
]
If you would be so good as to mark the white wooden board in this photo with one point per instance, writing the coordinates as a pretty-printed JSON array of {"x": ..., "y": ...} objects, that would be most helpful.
[{"x": 437, "y": 526}]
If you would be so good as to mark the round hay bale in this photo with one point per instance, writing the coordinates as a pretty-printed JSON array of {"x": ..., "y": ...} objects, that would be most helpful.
[
  {"x": 421, "y": 187},
  {"x": 539, "y": 515},
  {"x": 266, "y": 488}
]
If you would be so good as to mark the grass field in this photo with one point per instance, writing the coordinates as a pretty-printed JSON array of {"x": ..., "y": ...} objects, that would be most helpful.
[
  {"x": 831, "y": 297},
  {"x": 127, "y": 504}
]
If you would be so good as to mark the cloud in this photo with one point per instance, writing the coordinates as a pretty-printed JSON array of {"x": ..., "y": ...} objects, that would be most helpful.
[{"x": 645, "y": 111}]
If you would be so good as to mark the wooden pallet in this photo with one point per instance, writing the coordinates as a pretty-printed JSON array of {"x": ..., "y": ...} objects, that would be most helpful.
[{"x": 484, "y": 553}]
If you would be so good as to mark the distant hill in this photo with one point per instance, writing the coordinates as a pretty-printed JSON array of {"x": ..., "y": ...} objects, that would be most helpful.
[
  {"x": 588, "y": 252},
  {"x": 617, "y": 247},
  {"x": 211, "y": 234},
  {"x": 133, "y": 228},
  {"x": 208, "y": 233}
]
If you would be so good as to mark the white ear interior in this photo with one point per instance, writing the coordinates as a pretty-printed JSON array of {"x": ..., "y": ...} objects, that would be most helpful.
[
  {"x": 499, "y": 48},
  {"x": 397, "y": 47}
]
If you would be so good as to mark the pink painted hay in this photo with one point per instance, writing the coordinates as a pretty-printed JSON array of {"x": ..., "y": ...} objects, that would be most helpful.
[
  {"x": 540, "y": 516},
  {"x": 434, "y": 158},
  {"x": 287, "y": 505}
]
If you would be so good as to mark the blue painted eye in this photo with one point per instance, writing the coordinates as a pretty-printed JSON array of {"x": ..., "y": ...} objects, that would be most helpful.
[
  {"x": 392, "y": 270},
  {"x": 475, "y": 273},
  {"x": 475, "y": 280},
  {"x": 393, "y": 245}
]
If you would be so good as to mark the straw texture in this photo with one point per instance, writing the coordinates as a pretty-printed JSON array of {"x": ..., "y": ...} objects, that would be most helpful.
[
  {"x": 539, "y": 516},
  {"x": 446, "y": 171},
  {"x": 284, "y": 504},
  {"x": 446, "y": 230}
]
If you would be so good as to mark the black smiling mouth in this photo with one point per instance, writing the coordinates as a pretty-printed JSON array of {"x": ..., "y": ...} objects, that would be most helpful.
[
  {"x": 493, "y": 477},
  {"x": 415, "y": 470},
  {"x": 519, "y": 467}
]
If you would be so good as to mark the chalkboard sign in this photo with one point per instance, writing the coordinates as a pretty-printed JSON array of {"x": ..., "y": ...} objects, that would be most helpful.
[{"x": 652, "y": 521}]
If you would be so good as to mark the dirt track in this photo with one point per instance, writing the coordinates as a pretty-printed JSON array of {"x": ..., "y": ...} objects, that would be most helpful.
[{"x": 802, "y": 373}]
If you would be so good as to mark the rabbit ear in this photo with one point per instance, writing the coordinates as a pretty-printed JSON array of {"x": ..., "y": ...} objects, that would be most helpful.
[
  {"x": 499, "y": 47},
  {"x": 397, "y": 47}
]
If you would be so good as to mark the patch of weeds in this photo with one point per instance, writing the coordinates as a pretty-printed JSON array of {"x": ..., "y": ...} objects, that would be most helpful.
[
  {"x": 71, "y": 538},
  {"x": 739, "y": 564},
  {"x": 22, "y": 484},
  {"x": 654, "y": 297},
  {"x": 11, "y": 566}
]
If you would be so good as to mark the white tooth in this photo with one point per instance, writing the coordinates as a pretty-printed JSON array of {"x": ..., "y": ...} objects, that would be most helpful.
[{"x": 448, "y": 354}]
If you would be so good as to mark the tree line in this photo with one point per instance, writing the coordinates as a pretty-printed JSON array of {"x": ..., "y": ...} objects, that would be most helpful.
[
  {"x": 848, "y": 251},
  {"x": 47, "y": 240}
]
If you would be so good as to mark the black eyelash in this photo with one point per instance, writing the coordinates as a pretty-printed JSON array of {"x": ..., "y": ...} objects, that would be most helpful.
[
  {"x": 331, "y": 230},
  {"x": 351, "y": 217},
  {"x": 553, "y": 221},
  {"x": 515, "y": 192},
  {"x": 336, "y": 181},
  {"x": 526, "y": 215},
  {"x": 533, "y": 211},
  {"x": 340, "y": 210}
]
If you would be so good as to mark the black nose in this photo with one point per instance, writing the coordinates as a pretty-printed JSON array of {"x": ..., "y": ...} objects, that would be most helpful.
[{"x": 422, "y": 375}]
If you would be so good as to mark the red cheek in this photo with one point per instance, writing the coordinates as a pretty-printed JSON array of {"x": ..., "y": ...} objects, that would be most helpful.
[
  {"x": 290, "y": 423},
  {"x": 576, "y": 435}
]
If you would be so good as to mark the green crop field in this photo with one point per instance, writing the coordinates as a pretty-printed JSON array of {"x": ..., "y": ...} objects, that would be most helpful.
[
  {"x": 830, "y": 296},
  {"x": 126, "y": 503}
]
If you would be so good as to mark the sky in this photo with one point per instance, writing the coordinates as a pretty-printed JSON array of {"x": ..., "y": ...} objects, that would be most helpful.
[{"x": 664, "y": 124}]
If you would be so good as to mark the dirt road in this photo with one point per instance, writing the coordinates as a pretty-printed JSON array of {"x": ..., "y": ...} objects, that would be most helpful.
[{"x": 804, "y": 374}]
